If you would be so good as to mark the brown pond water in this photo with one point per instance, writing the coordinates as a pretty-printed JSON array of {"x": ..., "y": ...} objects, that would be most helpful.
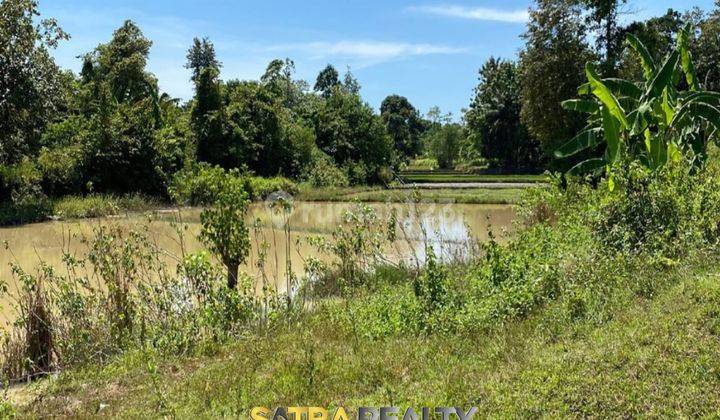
[{"x": 451, "y": 229}]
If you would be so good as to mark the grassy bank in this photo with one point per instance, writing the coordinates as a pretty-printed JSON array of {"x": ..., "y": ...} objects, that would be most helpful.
[
  {"x": 440, "y": 195},
  {"x": 77, "y": 207},
  {"x": 653, "y": 356}
]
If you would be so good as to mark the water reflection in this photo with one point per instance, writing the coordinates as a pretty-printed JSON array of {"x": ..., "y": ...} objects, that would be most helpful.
[{"x": 450, "y": 228}]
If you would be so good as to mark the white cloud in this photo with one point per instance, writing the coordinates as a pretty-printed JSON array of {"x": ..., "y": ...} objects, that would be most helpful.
[
  {"x": 475, "y": 13},
  {"x": 365, "y": 50}
]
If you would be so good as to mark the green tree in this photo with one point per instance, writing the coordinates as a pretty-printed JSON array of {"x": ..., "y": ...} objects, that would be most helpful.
[
  {"x": 350, "y": 83},
  {"x": 602, "y": 16},
  {"x": 327, "y": 80},
  {"x": 208, "y": 118},
  {"x": 707, "y": 50},
  {"x": 201, "y": 56},
  {"x": 493, "y": 119},
  {"x": 348, "y": 130},
  {"x": 224, "y": 231},
  {"x": 443, "y": 138},
  {"x": 403, "y": 124},
  {"x": 31, "y": 85},
  {"x": 551, "y": 69},
  {"x": 121, "y": 109},
  {"x": 657, "y": 34}
]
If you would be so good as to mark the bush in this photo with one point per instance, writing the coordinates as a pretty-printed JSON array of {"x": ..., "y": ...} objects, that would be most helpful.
[
  {"x": 21, "y": 197},
  {"x": 322, "y": 172},
  {"x": 260, "y": 188},
  {"x": 668, "y": 211},
  {"x": 201, "y": 185},
  {"x": 60, "y": 168}
]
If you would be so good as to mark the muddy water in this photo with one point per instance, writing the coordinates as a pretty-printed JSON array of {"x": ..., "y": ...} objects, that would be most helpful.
[{"x": 450, "y": 228}]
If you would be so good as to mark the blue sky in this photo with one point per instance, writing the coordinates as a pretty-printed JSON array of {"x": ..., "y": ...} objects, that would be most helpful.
[{"x": 426, "y": 50}]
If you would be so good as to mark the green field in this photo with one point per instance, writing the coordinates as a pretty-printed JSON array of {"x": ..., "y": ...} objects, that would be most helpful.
[
  {"x": 440, "y": 195},
  {"x": 438, "y": 177}
]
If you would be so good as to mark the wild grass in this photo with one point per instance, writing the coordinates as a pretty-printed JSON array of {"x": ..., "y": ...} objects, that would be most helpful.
[
  {"x": 440, "y": 195},
  {"x": 655, "y": 356},
  {"x": 77, "y": 207}
]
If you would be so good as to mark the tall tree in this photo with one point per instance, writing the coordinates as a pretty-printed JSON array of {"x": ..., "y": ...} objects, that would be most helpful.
[
  {"x": 707, "y": 50},
  {"x": 603, "y": 18},
  {"x": 443, "y": 138},
  {"x": 200, "y": 56},
  {"x": 30, "y": 82},
  {"x": 350, "y": 83},
  {"x": 348, "y": 130},
  {"x": 207, "y": 114},
  {"x": 327, "y": 80},
  {"x": 551, "y": 69},
  {"x": 493, "y": 119},
  {"x": 121, "y": 106},
  {"x": 403, "y": 124}
]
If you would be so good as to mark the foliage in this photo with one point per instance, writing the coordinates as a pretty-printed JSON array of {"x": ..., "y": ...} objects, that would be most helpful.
[
  {"x": 444, "y": 140},
  {"x": 202, "y": 184},
  {"x": 662, "y": 123},
  {"x": 224, "y": 231},
  {"x": 706, "y": 51},
  {"x": 403, "y": 124},
  {"x": 31, "y": 84},
  {"x": 141, "y": 305},
  {"x": 356, "y": 246},
  {"x": 493, "y": 120},
  {"x": 348, "y": 130},
  {"x": 551, "y": 69},
  {"x": 327, "y": 80},
  {"x": 322, "y": 172}
]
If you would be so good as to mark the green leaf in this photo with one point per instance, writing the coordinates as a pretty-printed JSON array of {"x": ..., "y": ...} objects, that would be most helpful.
[
  {"x": 602, "y": 92},
  {"x": 579, "y": 143},
  {"x": 612, "y": 136},
  {"x": 703, "y": 110},
  {"x": 663, "y": 78},
  {"x": 686, "y": 57},
  {"x": 646, "y": 60},
  {"x": 658, "y": 151},
  {"x": 581, "y": 105},
  {"x": 587, "y": 166},
  {"x": 622, "y": 87}
]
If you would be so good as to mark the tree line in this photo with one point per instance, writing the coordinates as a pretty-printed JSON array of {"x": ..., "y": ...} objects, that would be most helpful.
[{"x": 110, "y": 128}]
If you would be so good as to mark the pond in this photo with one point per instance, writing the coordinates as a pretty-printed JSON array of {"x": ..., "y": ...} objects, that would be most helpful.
[{"x": 450, "y": 228}]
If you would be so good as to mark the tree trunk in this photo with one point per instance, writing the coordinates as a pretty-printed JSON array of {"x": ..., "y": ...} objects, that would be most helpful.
[{"x": 232, "y": 277}]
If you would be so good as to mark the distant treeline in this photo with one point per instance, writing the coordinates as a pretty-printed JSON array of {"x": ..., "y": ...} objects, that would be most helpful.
[{"x": 110, "y": 129}]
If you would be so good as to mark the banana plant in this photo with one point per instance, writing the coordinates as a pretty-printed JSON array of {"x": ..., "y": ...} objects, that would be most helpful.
[{"x": 652, "y": 121}]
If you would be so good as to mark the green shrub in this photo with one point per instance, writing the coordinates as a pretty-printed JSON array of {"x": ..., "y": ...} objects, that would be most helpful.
[
  {"x": 260, "y": 188},
  {"x": 201, "y": 185},
  {"x": 60, "y": 168},
  {"x": 21, "y": 197},
  {"x": 668, "y": 211},
  {"x": 322, "y": 172}
]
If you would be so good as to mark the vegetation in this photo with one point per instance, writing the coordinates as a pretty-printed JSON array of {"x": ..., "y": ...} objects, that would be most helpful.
[
  {"x": 590, "y": 273},
  {"x": 603, "y": 302},
  {"x": 662, "y": 122},
  {"x": 428, "y": 195}
]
